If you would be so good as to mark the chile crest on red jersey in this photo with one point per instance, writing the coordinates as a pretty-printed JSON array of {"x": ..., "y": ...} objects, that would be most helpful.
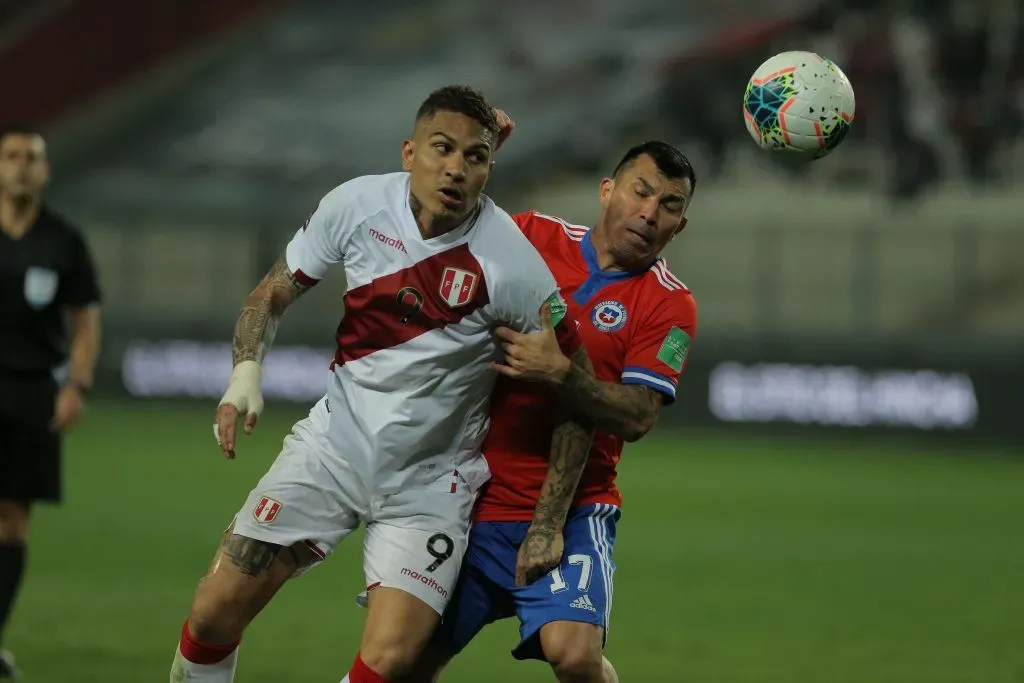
[{"x": 609, "y": 316}]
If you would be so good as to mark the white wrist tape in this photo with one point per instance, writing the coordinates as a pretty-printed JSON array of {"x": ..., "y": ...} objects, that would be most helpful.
[{"x": 244, "y": 389}]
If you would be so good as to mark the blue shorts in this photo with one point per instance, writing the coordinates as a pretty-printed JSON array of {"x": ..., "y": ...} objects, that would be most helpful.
[{"x": 580, "y": 589}]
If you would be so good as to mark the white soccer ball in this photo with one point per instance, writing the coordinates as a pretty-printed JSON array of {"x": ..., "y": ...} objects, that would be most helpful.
[{"x": 798, "y": 105}]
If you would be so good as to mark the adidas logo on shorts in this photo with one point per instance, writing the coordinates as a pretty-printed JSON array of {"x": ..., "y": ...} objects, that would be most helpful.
[{"x": 583, "y": 602}]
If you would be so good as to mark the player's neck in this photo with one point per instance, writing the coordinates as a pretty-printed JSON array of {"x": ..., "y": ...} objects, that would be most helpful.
[
  {"x": 431, "y": 225},
  {"x": 603, "y": 250},
  {"x": 18, "y": 214}
]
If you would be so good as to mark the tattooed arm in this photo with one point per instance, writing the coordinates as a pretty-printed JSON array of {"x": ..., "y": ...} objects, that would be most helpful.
[
  {"x": 262, "y": 311},
  {"x": 254, "y": 334},
  {"x": 314, "y": 249},
  {"x": 542, "y": 546},
  {"x": 626, "y": 410}
]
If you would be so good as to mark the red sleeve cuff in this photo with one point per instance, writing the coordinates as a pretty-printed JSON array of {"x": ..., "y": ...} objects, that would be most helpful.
[{"x": 304, "y": 279}]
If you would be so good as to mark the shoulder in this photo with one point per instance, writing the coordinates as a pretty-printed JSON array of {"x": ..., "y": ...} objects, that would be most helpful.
[
  {"x": 57, "y": 224},
  {"x": 540, "y": 226},
  {"x": 362, "y": 197},
  {"x": 60, "y": 232},
  {"x": 503, "y": 245},
  {"x": 664, "y": 292}
]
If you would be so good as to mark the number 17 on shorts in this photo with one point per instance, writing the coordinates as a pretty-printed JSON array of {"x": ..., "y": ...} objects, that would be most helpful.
[{"x": 580, "y": 588}]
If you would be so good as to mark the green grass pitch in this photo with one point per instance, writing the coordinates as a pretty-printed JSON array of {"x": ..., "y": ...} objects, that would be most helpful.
[{"x": 739, "y": 561}]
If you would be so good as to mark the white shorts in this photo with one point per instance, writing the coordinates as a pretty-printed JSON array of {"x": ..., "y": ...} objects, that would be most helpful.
[{"x": 415, "y": 538}]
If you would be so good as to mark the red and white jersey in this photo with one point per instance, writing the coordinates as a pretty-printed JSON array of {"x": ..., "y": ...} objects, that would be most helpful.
[
  {"x": 410, "y": 384},
  {"x": 637, "y": 328}
]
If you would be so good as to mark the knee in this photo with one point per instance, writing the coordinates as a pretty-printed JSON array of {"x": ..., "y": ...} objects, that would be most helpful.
[
  {"x": 217, "y": 615},
  {"x": 239, "y": 583},
  {"x": 224, "y": 605},
  {"x": 394, "y": 660},
  {"x": 14, "y": 518},
  {"x": 398, "y": 633},
  {"x": 610, "y": 675},
  {"x": 575, "y": 653}
]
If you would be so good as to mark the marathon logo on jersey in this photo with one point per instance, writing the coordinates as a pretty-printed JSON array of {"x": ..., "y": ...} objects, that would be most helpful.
[
  {"x": 458, "y": 286},
  {"x": 426, "y": 580},
  {"x": 388, "y": 240},
  {"x": 609, "y": 316},
  {"x": 266, "y": 510}
]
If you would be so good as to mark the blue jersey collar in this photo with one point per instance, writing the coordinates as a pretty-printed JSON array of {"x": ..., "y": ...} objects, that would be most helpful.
[{"x": 590, "y": 257}]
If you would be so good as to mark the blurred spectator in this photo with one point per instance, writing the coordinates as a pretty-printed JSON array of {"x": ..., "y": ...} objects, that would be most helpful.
[{"x": 965, "y": 64}]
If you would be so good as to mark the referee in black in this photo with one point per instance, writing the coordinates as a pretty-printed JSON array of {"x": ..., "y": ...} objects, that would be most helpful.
[{"x": 47, "y": 285}]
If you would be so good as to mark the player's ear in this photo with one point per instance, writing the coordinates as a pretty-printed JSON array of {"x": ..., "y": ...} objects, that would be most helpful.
[
  {"x": 408, "y": 153},
  {"x": 682, "y": 224},
  {"x": 605, "y": 190}
]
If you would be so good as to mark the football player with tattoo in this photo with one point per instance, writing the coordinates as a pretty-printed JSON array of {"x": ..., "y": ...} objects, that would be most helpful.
[
  {"x": 636, "y": 321},
  {"x": 433, "y": 267}
]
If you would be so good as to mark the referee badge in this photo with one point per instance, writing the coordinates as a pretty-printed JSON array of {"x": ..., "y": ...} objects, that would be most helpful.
[{"x": 40, "y": 286}]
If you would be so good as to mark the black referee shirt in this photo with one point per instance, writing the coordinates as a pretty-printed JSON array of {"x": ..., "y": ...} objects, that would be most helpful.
[{"x": 42, "y": 272}]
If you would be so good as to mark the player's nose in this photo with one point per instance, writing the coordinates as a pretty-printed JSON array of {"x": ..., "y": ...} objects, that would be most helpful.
[
  {"x": 455, "y": 169},
  {"x": 649, "y": 217},
  {"x": 649, "y": 214}
]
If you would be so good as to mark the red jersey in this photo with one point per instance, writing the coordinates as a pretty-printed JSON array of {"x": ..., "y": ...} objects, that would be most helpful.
[{"x": 637, "y": 328}]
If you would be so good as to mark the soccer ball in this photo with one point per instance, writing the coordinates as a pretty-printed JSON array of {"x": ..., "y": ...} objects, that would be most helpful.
[{"x": 798, "y": 106}]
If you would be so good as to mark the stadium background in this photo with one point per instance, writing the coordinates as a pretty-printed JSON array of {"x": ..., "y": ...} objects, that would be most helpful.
[{"x": 836, "y": 496}]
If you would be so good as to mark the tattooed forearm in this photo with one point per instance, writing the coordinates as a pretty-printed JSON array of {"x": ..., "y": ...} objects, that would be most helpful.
[
  {"x": 252, "y": 557},
  {"x": 262, "y": 311},
  {"x": 570, "y": 448},
  {"x": 254, "y": 331},
  {"x": 626, "y": 410}
]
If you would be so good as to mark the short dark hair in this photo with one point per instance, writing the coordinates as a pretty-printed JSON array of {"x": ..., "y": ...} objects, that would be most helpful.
[
  {"x": 669, "y": 160},
  {"x": 460, "y": 99},
  {"x": 19, "y": 128}
]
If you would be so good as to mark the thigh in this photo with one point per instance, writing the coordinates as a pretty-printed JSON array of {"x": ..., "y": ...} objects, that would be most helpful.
[
  {"x": 580, "y": 588},
  {"x": 29, "y": 461},
  {"x": 421, "y": 562},
  {"x": 244, "y": 576},
  {"x": 482, "y": 593},
  {"x": 299, "y": 501},
  {"x": 416, "y": 539}
]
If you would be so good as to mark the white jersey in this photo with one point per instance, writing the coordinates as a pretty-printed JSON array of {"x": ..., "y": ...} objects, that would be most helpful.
[{"x": 410, "y": 385}]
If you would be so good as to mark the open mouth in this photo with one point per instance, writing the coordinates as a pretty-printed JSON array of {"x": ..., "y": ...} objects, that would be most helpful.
[{"x": 451, "y": 195}]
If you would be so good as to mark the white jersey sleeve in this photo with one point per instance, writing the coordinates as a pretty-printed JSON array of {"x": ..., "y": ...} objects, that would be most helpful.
[
  {"x": 526, "y": 286},
  {"x": 320, "y": 243}
]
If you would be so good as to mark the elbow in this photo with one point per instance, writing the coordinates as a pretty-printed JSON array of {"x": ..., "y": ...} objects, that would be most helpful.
[
  {"x": 632, "y": 434},
  {"x": 637, "y": 429}
]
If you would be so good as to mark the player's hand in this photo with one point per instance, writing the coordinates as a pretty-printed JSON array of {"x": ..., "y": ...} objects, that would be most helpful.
[
  {"x": 68, "y": 409},
  {"x": 535, "y": 357},
  {"x": 243, "y": 398},
  {"x": 540, "y": 552},
  {"x": 505, "y": 127}
]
